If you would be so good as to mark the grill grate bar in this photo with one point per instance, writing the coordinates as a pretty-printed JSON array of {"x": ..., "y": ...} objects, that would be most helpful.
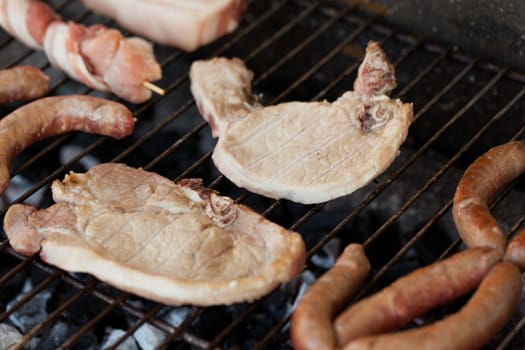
[
  {"x": 293, "y": 52},
  {"x": 350, "y": 70},
  {"x": 76, "y": 337},
  {"x": 87, "y": 150},
  {"x": 328, "y": 57},
  {"x": 309, "y": 8},
  {"x": 449, "y": 163},
  {"x": 185, "y": 336},
  {"x": 29, "y": 295},
  {"x": 235, "y": 39},
  {"x": 10, "y": 39},
  {"x": 436, "y": 176},
  {"x": 55, "y": 314},
  {"x": 227, "y": 330},
  {"x": 55, "y": 174},
  {"x": 380, "y": 188},
  {"x": 22, "y": 265},
  {"x": 317, "y": 207},
  {"x": 389, "y": 222},
  {"x": 190, "y": 102},
  {"x": 256, "y": 82},
  {"x": 265, "y": 44},
  {"x": 47, "y": 179},
  {"x": 30, "y": 52},
  {"x": 133, "y": 328}
]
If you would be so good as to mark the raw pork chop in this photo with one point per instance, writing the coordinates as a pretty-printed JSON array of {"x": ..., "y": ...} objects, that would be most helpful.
[
  {"x": 174, "y": 243},
  {"x": 187, "y": 24},
  {"x": 306, "y": 152}
]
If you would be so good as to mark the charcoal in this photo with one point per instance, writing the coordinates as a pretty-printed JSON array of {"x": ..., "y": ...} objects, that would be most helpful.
[
  {"x": 60, "y": 332},
  {"x": 328, "y": 254},
  {"x": 149, "y": 337},
  {"x": 114, "y": 335},
  {"x": 9, "y": 336},
  {"x": 178, "y": 315},
  {"x": 33, "y": 312}
]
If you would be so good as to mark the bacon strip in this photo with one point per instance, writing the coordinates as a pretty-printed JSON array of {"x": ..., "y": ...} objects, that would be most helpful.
[
  {"x": 26, "y": 20},
  {"x": 103, "y": 59},
  {"x": 56, "y": 115}
]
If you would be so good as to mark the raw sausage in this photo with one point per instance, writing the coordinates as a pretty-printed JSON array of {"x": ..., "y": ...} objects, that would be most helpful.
[
  {"x": 477, "y": 322},
  {"x": 482, "y": 179},
  {"x": 311, "y": 324},
  {"x": 22, "y": 83},
  {"x": 414, "y": 294},
  {"x": 515, "y": 252},
  {"x": 56, "y": 115}
]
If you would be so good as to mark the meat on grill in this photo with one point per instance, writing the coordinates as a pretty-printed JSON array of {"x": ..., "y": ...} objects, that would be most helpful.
[
  {"x": 174, "y": 243},
  {"x": 27, "y": 20},
  {"x": 180, "y": 23},
  {"x": 415, "y": 294},
  {"x": 488, "y": 310},
  {"x": 311, "y": 326},
  {"x": 55, "y": 115},
  {"x": 305, "y": 152},
  {"x": 103, "y": 59},
  {"x": 481, "y": 181},
  {"x": 97, "y": 56},
  {"x": 22, "y": 83}
]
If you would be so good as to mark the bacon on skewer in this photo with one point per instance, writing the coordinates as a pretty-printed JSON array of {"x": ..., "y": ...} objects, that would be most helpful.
[
  {"x": 103, "y": 59},
  {"x": 97, "y": 56},
  {"x": 26, "y": 20}
]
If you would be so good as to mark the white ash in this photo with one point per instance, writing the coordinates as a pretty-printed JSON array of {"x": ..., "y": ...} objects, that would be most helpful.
[
  {"x": 52, "y": 338},
  {"x": 114, "y": 335},
  {"x": 68, "y": 152},
  {"x": 149, "y": 337},
  {"x": 328, "y": 255},
  {"x": 19, "y": 185},
  {"x": 9, "y": 336},
  {"x": 177, "y": 316},
  {"x": 33, "y": 312}
]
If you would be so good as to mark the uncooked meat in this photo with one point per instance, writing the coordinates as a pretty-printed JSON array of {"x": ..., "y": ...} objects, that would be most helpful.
[
  {"x": 181, "y": 23},
  {"x": 174, "y": 243},
  {"x": 306, "y": 152}
]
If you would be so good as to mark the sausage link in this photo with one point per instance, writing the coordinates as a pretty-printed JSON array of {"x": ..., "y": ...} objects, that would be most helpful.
[
  {"x": 515, "y": 252},
  {"x": 414, "y": 294},
  {"x": 311, "y": 324},
  {"x": 56, "y": 115},
  {"x": 482, "y": 179},
  {"x": 22, "y": 83},
  {"x": 476, "y": 323}
]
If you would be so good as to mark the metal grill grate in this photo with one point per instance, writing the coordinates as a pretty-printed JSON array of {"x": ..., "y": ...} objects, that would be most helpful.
[{"x": 304, "y": 50}]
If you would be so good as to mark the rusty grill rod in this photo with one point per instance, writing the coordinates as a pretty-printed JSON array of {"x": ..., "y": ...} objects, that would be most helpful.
[
  {"x": 317, "y": 207},
  {"x": 248, "y": 311},
  {"x": 407, "y": 204},
  {"x": 60, "y": 170}
]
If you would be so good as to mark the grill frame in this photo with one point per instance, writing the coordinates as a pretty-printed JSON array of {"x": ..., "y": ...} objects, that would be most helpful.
[{"x": 337, "y": 13}]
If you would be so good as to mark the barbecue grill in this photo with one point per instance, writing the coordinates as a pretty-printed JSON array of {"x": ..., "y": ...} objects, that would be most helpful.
[{"x": 298, "y": 50}]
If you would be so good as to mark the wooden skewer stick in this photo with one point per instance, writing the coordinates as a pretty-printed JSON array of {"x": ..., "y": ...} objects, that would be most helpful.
[{"x": 154, "y": 88}]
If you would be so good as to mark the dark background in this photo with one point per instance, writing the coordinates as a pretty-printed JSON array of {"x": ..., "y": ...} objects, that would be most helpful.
[{"x": 492, "y": 29}]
